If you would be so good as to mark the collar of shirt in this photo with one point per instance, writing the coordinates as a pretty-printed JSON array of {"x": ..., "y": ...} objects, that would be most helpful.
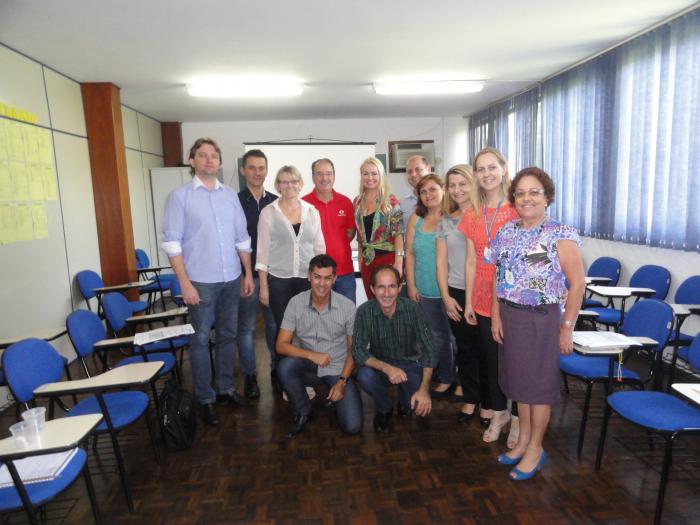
[
  {"x": 329, "y": 306},
  {"x": 411, "y": 197},
  {"x": 401, "y": 308},
  {"x": 197, "y": 183},
  {"x": 313, "y": 198},
  {"x": 246, "y": 194}
]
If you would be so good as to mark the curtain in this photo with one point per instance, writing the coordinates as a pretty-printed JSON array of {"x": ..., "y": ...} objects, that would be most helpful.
[
  {"x": 620, "y": 136},
  {"x": 510, "y": 126}
]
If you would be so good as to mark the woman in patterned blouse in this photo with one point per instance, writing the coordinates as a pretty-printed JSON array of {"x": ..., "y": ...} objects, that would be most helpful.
[
  {"x": 379, "y": 222},
  {"x": 535, "y": 257}
]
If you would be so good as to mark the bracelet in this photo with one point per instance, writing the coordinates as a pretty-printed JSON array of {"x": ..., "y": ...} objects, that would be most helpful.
[
  {"x": 400, "y": 253},
  {"x": 568, "y": 324}
]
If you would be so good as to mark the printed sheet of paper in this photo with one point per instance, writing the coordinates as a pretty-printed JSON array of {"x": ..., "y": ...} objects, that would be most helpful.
[
  {"x": 25, "y": 224},
  {"x": 40, "y": 220},
  {"x": 167, "y": 332},
  {"x": 8, "y": 227}
]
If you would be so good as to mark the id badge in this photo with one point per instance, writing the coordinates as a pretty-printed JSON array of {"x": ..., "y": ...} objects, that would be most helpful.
[{"x": 487, "y": 255}]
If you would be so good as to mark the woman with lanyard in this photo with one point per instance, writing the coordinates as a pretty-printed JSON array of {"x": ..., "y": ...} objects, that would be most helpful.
[
  {"x": 490, "y": 211},
  {"x": 533, "y": 313},
  {"x": 379, "y": 223}
]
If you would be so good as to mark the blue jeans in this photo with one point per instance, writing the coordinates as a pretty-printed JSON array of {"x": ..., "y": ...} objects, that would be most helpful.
[
  {"x": 434, "y": 311},
  {"x": 377, "y": 384},
  {"x": 218, "y": 307},
  {"x": 247, "y": 316},
  {"x": 347, "y": 286},
  {"x": 295, "y": 374}
]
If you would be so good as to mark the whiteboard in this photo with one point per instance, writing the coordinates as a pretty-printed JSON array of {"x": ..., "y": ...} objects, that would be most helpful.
[{"x": 347, "y": 159}]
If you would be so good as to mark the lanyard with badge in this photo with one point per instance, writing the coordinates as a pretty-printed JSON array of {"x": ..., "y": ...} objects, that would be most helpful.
[{"x": 489, "y": 228}]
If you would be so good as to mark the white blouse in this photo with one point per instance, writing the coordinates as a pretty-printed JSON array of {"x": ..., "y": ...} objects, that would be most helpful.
[{"x": 280, "y": 251}]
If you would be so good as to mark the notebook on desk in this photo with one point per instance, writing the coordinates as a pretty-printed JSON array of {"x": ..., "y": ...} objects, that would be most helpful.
[
  {"x": 602, "y": 340},
  {"x": 36, "y": 469}
]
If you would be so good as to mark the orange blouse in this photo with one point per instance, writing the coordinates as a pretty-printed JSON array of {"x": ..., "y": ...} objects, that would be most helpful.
[{"x": 473, "y": 227}]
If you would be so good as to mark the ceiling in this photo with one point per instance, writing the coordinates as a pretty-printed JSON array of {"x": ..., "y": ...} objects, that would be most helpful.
[{"x": 152, "y": 49}]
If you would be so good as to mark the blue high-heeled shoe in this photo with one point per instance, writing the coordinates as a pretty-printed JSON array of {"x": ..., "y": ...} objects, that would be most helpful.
[
  {"x": 519, "y": 475},
  {"x": 505, "y": 459}
]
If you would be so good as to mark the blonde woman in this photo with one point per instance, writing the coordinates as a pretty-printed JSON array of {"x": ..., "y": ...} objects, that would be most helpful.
[
  {"x": 480, "y": 224},
  {"x": 289, "y": 236},
  {"x": 451, "y": 250},
  {"x": 379, "y": 222}
]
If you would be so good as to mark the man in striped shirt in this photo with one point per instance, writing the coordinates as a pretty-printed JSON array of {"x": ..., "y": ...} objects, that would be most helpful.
[
  {"x": 392, "y": 343},
  {"x": 322, "y": 321}
]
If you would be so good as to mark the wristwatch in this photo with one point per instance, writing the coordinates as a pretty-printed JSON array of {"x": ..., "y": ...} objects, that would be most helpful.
[
  {"x": 568, "y": 324},
  {"x": 400, "y": 253},
  {"x": 343, "y": 379}
]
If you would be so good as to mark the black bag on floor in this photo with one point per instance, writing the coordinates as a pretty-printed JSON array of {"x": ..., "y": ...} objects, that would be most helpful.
[{"x": 178, "y": 416}]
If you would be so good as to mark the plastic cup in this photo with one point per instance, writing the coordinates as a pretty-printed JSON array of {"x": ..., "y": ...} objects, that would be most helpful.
[
  {"x": 22, "y": 432},
  {"x": 35, "y": 418}
]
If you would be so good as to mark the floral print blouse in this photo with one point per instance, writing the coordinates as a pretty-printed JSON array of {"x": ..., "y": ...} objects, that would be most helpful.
[
  {"x": 385, "y": 228},
  {"x": 527, "y": 262}
]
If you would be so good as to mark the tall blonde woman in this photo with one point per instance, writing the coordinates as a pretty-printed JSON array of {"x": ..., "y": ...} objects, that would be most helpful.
[
  {"x": 421, "y": 275},
  {"x": 491, "y": 210},
  {"x": 451, "y": 252},
  {"x": 289, "y": 236},
  {"x": 379, "y": 222}
]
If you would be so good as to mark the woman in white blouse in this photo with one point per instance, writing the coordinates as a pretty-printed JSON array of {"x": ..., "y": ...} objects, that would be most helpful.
[{"x": 289, "y": 235}]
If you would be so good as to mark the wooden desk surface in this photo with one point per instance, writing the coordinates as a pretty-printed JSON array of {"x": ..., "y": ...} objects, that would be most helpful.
[
  {"x": 57, "y": 434},
  {"x": 124, "y": 376},
  {"x": 47, "y": 334},
  {"x": 123, "y": 287}
]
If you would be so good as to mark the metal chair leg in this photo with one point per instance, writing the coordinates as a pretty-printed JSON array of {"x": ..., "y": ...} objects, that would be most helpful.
[
  {"x": 664, "y": 479},
  {"x": 566, "y": 383},
  {"x": 601, "y": 440},
  {"x": 91, "y": 495},
  {"x": 584, "y": 419}
]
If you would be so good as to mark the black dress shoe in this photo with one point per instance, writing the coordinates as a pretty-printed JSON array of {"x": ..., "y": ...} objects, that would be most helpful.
[
  {"x": 403, "y": 412},
  {"x": 484, "y": 421},
  {"x": 233, "y": 399},
  {"x": 381, "y": 422},
  {"x": 209, "y": 414},
  {"x": 465, "y": 417},
  {"x": 276, "y": 385},
  {"x": 445, "y": 394},
  {"x": 250, "y": 387},
  {"x": 299, "y": 424}
]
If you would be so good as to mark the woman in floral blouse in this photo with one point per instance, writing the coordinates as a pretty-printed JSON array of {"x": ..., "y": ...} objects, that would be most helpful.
[
  {"x": 533, "y": 314},
  {"x": 379, "y": 222}
]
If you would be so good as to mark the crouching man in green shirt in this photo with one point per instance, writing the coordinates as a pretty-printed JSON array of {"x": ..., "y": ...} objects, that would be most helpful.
[{"x": 392, "y": 345}]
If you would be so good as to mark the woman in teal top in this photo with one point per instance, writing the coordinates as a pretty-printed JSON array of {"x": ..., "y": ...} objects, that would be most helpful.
[{"x": 421, "y": 275}]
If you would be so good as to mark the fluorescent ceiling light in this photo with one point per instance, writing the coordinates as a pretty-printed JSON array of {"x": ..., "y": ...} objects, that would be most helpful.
[
  {"x": 224, "y": 87},
  {"x": 428, "y": 87}
]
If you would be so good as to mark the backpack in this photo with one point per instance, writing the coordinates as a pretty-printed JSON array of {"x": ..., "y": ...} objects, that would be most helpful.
[{"x": 178, "y": 416}]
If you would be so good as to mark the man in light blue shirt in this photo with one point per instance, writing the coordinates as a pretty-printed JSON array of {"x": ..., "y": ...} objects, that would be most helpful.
[{"x": 205, "y": 237}]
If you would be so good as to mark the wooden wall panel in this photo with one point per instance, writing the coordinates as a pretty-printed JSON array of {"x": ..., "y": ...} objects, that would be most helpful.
[{"x": 103, "y": 118}]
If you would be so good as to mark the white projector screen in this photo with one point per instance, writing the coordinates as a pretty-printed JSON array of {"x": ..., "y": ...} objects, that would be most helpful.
[{"x": 347, "y": 159}]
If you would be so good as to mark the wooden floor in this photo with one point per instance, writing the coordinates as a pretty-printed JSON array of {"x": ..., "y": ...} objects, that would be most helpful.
[{"x": 430, "y": 470}]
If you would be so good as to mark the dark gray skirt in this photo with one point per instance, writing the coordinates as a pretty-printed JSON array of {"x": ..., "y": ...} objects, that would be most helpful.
[{"x": 528, "y": 361}]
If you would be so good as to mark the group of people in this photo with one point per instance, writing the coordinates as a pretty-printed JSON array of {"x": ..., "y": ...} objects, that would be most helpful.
[{"x": 466, "y": 277}]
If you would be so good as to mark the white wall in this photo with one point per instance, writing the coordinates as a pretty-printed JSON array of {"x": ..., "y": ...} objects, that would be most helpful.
[
  {"x": 449, "y": 134},
  {"x": 37, "y": 291},
  {"x": 681, "y": 265},
  {"x": 144, "y": 150}
]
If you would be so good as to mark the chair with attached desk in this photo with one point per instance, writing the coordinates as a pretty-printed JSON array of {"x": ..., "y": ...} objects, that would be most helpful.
[
  {"x": 648, "y": 318},
  {"x": 607, "y": 267},
  {"x": 650, "y": 276},
  {"x": 688, "y": 293},
  {"x": 26, "y": 490},
  {"x": 31, "y": 363},
  {"x": 122, "y": 323},
  {"x": 657, "y": 412},
  {"x": 161, "y": 280},
  {"x": 86, "y": 332},
  {"x": 89, "y": 281}
]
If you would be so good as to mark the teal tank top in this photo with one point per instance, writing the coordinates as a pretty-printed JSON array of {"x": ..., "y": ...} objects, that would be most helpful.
[{"x": 426, "y": 273}]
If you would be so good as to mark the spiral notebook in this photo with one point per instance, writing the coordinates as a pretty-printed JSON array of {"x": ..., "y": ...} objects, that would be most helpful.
[{"x": 36, "y": 469}]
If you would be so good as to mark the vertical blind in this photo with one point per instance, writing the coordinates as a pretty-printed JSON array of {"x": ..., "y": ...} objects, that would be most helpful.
[{"x": 620, "y": 136}]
